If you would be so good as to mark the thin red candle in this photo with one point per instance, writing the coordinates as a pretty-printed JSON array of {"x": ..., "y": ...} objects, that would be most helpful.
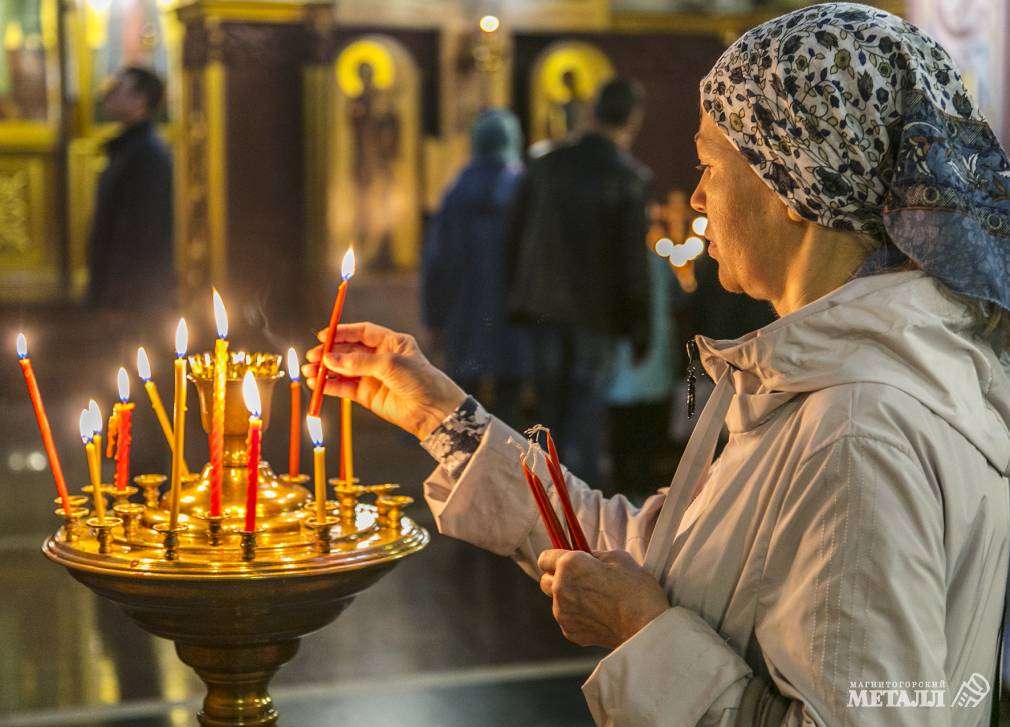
[
  {"x": 558, "y": 476},
  {"x": 124, "y": 433},
  {"x": 295, "y": 440},
  {"x": 547, "y": 513},
  {"x": 251, "y": 394},
  {"x": 346, "y": 271},
  {"x": 43, "y": 421}
]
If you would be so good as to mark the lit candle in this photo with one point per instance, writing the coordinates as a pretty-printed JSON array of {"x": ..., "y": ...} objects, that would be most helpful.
[
  {"x": 124, "y": 433},
  {"x": 43, "y": 421},
  {"x": 144, "y": 371},
  {"x": 346, "y": 455},
  {"x": 178, "y": 422},
  {"x": 251, "y": 394},
  {"x": 319, "y": 460},
  {"x": 346, "y": 272},
  {"x": 96, "y": 419},
  {"x": 295, "y": 444},
  {"x": 88, "y": 437},
  {"x": 217, "y": 412}
]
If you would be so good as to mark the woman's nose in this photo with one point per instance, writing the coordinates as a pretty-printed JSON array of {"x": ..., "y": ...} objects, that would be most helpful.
[{"x": 698, "y": 199}]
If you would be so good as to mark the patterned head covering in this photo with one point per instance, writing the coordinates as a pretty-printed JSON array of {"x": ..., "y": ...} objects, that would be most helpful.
[{"x": 860, "y": 121}]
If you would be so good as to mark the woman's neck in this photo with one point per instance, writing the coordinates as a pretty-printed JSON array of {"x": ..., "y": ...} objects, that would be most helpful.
[{"x": 825, "y": 260}]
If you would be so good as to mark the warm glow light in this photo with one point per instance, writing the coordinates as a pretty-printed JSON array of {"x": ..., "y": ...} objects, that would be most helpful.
[
  {"x": 96, "y": 417},
  {"x": 699, "y": 225},
  {"x": 292, "y": 364},
  {"x": 124, "y": 385},
  {"x": 143, "y": 364},
  {"x": 87, "y": 431},
  {"x": 251, "y": 394},
  {"x": 489, "y": 23},
  {"x": 181, "y": 338},
  {"x": 22, "y": 346},
  {"x": 347, "y": 265},
  {"x": 315, "y": 430},
  {"x": 220, "y": 316},
  {"x": 682, "y": 254},
  {"x": 664, "y": 247}
]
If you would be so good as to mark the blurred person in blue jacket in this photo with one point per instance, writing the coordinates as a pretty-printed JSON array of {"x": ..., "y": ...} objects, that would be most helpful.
[{"x": 463, "y": 268}]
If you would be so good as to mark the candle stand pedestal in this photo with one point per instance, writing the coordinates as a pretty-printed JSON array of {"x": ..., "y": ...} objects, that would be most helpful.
[{"x": 236, "y": 604}]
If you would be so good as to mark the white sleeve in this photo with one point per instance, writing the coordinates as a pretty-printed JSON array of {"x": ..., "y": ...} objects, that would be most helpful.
[{"x": 853, "y": 591}]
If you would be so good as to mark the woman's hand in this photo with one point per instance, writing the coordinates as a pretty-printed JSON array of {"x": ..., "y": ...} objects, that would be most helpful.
[
  {"x": 386, "y": 372},
  {"x": 601, "y": 599}
]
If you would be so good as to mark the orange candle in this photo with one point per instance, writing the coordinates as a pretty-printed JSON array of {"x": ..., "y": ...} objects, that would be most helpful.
[
  {"x": 558, "y": 476},
  {"x": 295, "y": 443},
  {"x": 124, "y": 433},
  {"x": 547, "y": 514},
  {"x": 346, "y": 272},
  {"x": 251, "y": 394},
  {"x": 217, "y": 411},
  {"x": 43, "y": 421},
  {"x": 346, "y": 453}
]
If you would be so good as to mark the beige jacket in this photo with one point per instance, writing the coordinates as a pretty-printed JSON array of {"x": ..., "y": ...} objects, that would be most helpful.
[{"x": 853, "y": 531}]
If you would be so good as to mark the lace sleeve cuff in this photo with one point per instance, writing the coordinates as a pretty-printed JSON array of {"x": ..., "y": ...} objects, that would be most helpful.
[{"x": 454, "y": 441}]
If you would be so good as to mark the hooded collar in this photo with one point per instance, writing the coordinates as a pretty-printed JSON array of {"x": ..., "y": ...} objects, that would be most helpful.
[{"x": 894, "y": 328}]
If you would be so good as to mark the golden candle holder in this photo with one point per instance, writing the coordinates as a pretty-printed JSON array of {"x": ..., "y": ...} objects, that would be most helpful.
[{"x": 235, "y": 603}]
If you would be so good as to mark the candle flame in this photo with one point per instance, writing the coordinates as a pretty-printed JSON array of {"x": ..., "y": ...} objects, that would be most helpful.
[
  {"x": 315, "y": 430},
  {"x": 143, "y": 365},
  {"x": 347, "y": 264},
  {"x": 699, "y": 225},
  {"x": 489, "y": 23},
  {"x": 22, "y": 346},
  {"x": 124, "y": 385},
  {"x": 96, "y": 416},
  {"x": 220, "y": 316},
  {"x": 292, "y": 364},
  {"x": 181, "y": 338},
  {"x": 87, "y": 431},
  {"x": 251, "y": 394}
]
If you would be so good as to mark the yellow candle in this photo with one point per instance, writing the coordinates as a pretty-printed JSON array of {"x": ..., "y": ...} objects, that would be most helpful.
[
  {"x": 88, "y": 437},
  {"x": 345, "y": 440},
  {"x": 319, "y": 460},
  {"x": 217, "y": 412},
  {"x": 144, "y": 370},
  {"x": 178, "y": 421},
  {"x": 96, "y": 421}
]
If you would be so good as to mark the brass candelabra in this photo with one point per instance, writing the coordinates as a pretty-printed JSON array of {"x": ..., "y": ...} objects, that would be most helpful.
[{"x": 236, "y": 603}]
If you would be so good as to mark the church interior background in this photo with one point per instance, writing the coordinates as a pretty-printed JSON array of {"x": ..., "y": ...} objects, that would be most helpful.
[{"x": 297, "y": 128}]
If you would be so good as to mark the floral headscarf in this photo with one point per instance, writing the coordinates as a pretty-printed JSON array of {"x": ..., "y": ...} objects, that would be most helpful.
[{"x": 860, "y": 121}]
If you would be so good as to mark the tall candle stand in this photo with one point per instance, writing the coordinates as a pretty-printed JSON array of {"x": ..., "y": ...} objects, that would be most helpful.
[{"x": 194, "y": 583}]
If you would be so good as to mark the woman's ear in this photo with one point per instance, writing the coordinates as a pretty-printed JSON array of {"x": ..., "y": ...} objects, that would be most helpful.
[{"x": 794, "y": 215}]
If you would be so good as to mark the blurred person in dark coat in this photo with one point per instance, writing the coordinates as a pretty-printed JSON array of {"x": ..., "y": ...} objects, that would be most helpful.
[
  {"x": 463, "y": 269},
  {"x": 578, "y": 269},
  {"x": 131, "y": 231}
]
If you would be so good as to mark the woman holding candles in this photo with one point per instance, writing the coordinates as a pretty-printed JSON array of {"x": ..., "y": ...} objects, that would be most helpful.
[{"x": 855, "y": 526}]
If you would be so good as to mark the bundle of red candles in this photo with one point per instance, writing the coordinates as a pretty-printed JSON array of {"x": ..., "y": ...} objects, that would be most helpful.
[{"x": 554, "y": 530}]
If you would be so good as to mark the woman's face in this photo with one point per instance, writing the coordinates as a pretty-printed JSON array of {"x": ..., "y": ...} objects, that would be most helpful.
[{"x": 750, "y": 233}]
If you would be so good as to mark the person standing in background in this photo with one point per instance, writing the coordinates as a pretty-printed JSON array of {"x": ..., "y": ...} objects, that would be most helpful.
[
  {"x": 131, "y": 231},
  {"x": 577, "y": 265},
  {"x": 463, "y": 269}
]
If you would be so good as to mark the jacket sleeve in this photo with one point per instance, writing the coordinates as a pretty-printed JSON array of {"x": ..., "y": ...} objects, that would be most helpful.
[
  {"x": 490, "y": 505},
  {"x": 853, "y": 592}
]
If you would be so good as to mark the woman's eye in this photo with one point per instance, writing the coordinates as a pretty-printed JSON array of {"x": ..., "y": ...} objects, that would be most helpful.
[{"x": 701, "y": 167}]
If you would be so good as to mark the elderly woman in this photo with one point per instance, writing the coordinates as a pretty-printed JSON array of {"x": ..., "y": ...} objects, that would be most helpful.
[{"x": 845, "y": 556}]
